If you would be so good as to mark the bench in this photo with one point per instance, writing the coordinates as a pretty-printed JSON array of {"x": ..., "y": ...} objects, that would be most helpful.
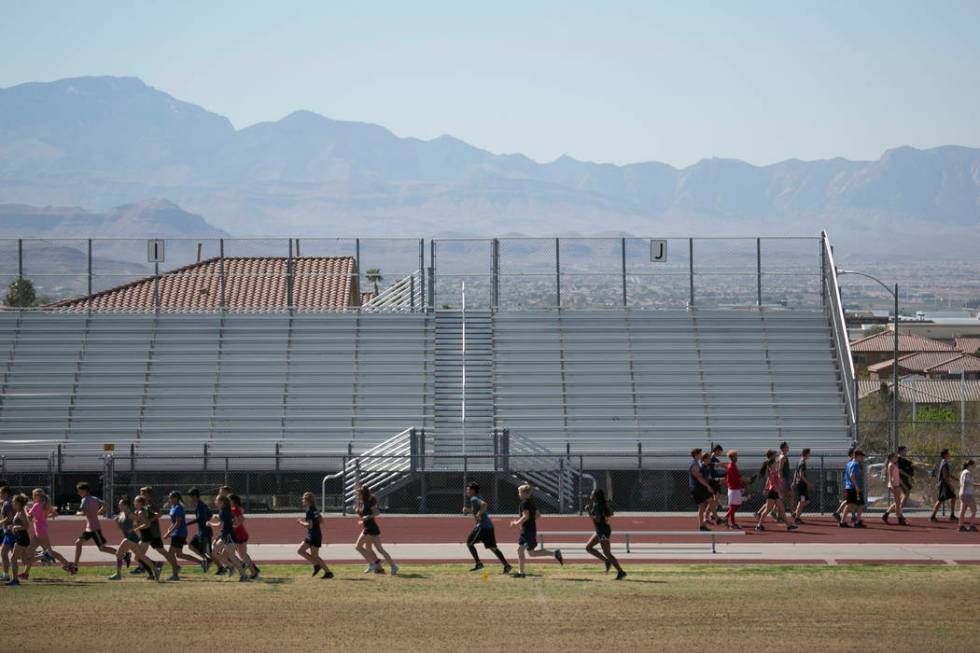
[{"x": 626, "y": 535}]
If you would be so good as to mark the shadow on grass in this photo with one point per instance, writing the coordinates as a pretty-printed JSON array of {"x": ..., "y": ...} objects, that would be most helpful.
[
  {"x": 573, "y": 580},
  {"x": 404, "y": 575}
]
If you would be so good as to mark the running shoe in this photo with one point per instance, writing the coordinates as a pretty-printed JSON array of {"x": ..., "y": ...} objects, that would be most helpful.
[
  {"x": 884, "y": 518},
  {"x": 972, "y": 529},
  {"x": 156, "y": 571},
  {"x": 47, "y": 558},
  {"x": 797, "y": 521},
  {"x": 843, "y": 524},
  {"x": 173, "y": 577},
  {"x": 704, "y": 528},
  {"x": 379, "y": 569},
  {"x": 115, "y": 576},
  {"x": 370, "y": 569},
  {"x": 204, "y": 565},
  {"x": 518, "y": 575},
  {"x": 316, "y": 569},
  {"x": 621, "y": 575},
  {"x": 836, "y": 516},
  {"x": 559, "y": 557},
  {"x": 137, "y": 570},
  {"x": 221, "y": 571},
  {"x": 477, "y": 567},
  {"x": 22, "y": 575},
  {"x": 255, "y": 572},
  {"x": 902, "y": 521},
  {"x": 243, "y": 578},
  {"x": 964, "y": 529},
  {"x": 952, "y": 518},
  {"x": 760, "y": 528},
  {"x": 394, "y": 569},
  {"x": 791, "y": 527},
  {"x": 13, "y": 582},
  {"x": 327, "y": 575},
  {"x": 507, "y": 569},
  {"x": 608, "y": 565},
  {"x": 933, "y": 519},
  {"x": 859, "y": 524}
]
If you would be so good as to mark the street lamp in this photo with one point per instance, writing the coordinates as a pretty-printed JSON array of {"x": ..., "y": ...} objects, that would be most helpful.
[{"x": 894, "y": 293}]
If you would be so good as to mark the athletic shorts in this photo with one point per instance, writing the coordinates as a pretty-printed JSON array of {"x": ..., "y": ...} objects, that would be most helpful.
[
  {"x": 314, "y": 540},
  {"x": 945, "y": 492},
  {"x": 802, "y": 492},
  {"x": 700, "y": 494},
  {"x": 734, "y": 497},
  {"x": 773, "y": 495},
  {"x": 239, "y": 538},
  {"x": 484, "y": 535},
  {"x": 9, "y": 540},
  {"x": 95, "y": 536},
  {"x": 715, "y": 486},
  {"x": 603, "y": 531},
  {"x": 179, "y": 541},
  {"x": 528, "y": 539},
  {"x": 154, "y": 542},
  {"x": 132, "y": 537},
  {"x": 23, "y": 539},
  {"x": 906, "y": 486},
  {"x": 853, "y": 498},
  {"x": 201, "y": 542},
  {"x": 371, "y": 528}
]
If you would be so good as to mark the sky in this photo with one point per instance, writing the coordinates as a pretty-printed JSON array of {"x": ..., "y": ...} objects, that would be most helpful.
[{"x": 611, "y": 82}]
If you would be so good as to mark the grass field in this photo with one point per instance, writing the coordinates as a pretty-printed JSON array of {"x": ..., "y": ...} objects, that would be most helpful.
[{"x": 445, "y": 608}]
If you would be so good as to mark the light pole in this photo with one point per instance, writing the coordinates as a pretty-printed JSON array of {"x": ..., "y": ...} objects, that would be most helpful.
[{"x": 894, "y": 293}]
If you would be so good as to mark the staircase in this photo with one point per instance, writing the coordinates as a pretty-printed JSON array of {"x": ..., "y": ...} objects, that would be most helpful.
[
  {"x": 464, "y": 372},
  {"x": 554, "y": 480},
  {"x": 385, "y": 468}
]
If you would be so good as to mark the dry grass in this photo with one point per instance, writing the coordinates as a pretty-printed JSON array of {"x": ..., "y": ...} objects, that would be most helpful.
[{"x": 444, "y": 608}]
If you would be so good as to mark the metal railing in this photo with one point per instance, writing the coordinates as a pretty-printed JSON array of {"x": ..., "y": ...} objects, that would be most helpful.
[{"x": 842, "y": 344}]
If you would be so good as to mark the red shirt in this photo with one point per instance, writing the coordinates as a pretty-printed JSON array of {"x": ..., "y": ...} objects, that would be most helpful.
[
  {"x": 239, "y": 531},
  {"x": 733, "y": 478}
]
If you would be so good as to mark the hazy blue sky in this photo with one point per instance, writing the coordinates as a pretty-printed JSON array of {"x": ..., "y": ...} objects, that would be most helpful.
[{"x": 673, "y": 82}]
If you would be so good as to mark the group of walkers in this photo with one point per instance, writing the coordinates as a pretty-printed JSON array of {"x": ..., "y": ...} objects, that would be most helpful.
[{"x": 788, "y": 492}]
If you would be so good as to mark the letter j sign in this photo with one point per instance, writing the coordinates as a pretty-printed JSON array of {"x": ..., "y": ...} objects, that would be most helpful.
[{"x": 658, "y": 251}]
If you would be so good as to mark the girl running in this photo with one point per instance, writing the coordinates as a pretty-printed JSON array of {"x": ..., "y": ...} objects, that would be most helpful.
[
  {"x": 967, "y": 500},
  {"x": 369, "y": 541},
  {"x": 178, "y": 531},
  {"x": 600, "y": 512},
  {"x": 147, "y": 524},
  {"x": 527, "y": 544},
  {"x": 20, "y": 527},
  {"x": 774, "y": 504},
  {"x": 39, "y": 513},
  {"x": 310, "y": 548},
  {"x": 129, "y": 547},
  {"x": 224, "y": 545},
  {"x": 893, "y": 475},
  {"x": 241, "y": 535}
]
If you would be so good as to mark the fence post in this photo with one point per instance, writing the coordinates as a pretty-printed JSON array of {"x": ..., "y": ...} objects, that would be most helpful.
[
  {"x": 622, "y": 248},
  {"x": 690, "y": 268},
  {"x": 221, "y": 273},
  {"x": 289, "y": 276},
  {"x": 561, "y": 485},
  {"x": 557, "y": 273},
  {"x": 639, "y": 455},
  {"x": 343, "y": 487},
  {"x": 205, "y": 456},
  {"x": 432, "y": 274},
  {"x": 494, "y": 274},
  {"x": 758, "y": 270},
  {"x": 422, "y": 303},
  {"x": 581, "y": 477},
  {"x": 3, "y": 465},
  {"x": 51, "y": 477},
  {"x": 89, "y": 272},
  {"x": 823, "y": 483},
  {"x": 20, "y": 273}
]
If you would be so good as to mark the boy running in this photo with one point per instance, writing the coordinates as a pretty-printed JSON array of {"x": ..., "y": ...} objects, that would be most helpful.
[
  {"x": 178, "y": 531},
  {"x": 527, "y": 544},
  {"x": 482, "y": 530},
  {"x": 854, "y": 488},
  {"x": 201, "y": 542},
  {"x": 90, "y": 508},
  {"x": 148, "y": 526}
]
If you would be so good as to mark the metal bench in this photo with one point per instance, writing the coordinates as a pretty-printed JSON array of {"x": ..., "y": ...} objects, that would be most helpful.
[{"x": 626, "y": 535}]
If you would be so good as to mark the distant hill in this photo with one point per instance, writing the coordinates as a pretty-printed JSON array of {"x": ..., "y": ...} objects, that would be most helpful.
[{"x": 100, "y": 142}]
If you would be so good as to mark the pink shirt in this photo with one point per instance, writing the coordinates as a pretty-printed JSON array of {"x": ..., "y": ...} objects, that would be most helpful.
[
  {"x": 39, "y": 516},
  {"x": 773, "y": 479},
  {"x": 894, "y": 477}
]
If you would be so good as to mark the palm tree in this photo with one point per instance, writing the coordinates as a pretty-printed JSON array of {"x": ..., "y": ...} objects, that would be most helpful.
[{"x": 373, "y": 276}]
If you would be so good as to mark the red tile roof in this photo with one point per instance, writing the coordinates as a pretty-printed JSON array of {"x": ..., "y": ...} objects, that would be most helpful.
[
  {"x": 925, "y": 391},
  {"x": 968, "y": 345},
  {"x": 884, "y": 342},
  {"x": 931, "y": 362},
  {"x": 319, "y": 282}
]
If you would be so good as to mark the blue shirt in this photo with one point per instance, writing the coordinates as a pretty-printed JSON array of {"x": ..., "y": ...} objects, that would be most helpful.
[
  {"x": 201, "y": 516},
  {"x": 484, "y": 518},
  {"x": 177, "y": 514},
  {"x": 853, "y": 467}
]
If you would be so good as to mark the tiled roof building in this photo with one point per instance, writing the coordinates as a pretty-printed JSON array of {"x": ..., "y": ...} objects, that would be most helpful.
[
  {"x": 881, "y": 347},
  {"x": 931, "y": 364},
  {"x": 236, "y": 283}
]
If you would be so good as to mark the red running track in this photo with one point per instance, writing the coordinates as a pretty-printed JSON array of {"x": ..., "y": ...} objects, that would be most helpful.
[{"x": 265, "y": 529}]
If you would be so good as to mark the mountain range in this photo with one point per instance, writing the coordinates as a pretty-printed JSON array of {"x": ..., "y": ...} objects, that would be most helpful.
[{"x": 104, "y": 142}]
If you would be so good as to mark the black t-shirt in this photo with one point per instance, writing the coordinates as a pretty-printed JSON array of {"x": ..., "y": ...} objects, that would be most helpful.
[
  {"x": 313, "y": 518},
  {"x": 800, "y": 472},
  {"x": 532, "y": 514},
  {"x": 367, "y": 511},
  {"x": 599, "y": 513},
  {"x": 227, "y": 521},
  {"x": 906, "y": 468}
]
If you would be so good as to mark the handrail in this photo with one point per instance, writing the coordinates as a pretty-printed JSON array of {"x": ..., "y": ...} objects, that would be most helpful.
[{"x": 832, "y": 292}]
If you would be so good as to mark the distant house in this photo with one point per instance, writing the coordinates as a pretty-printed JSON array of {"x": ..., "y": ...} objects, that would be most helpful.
[
  {"x": 235, "y": 283},
  {"x": 925, "y": 391},
  {"x": 968, "y": 345},
  {"x": 932, "y": 365},
  {"x": 881, "y": 347}
]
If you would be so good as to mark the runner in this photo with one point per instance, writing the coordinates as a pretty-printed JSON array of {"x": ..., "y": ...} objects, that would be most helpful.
[
  {"x": 843, "y": 501},
  {"x": 147, "y": 524},
  {"x": 801, "y": 484},
  {"x": 241, "y": 535},
  {"x": 224, "y": 545},
  {"x": 527, "y": 543},
  {"x": 369, "y": 541},
  {"x": 774, "y": 504},
  {"x": 600, "y": 512},
  {"x": 90, "y": 507},
  {"x": 854, "y": 488},
  {"x": 20, "y": 525},
  {"x": 482, "y": 530},
  {"x": 944, "y": 488},
  {"x": 310, "y": 548},
  {"x": 786, "y": 480},
  {"x": 129, "y": 546},
  {"x": 893, "y": 476},
  {"x": 7, "y": 512},
  {"x": 736, "y": 486},
  {"x": 178, "y": 531},
  {"x": 967, "y": 501},
  {"x": 715, "y": 474},
  {"x": 700, "y": 488},
  {"x": 201, "y": 542},
  {"x": 39, "y": 513}
]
